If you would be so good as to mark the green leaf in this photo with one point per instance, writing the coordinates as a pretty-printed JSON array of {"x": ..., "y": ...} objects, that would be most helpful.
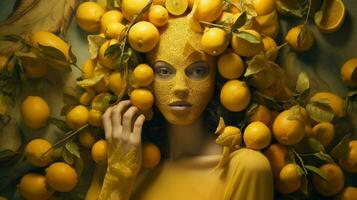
[
  {"x": 302, "y": 83},
  {"x": 300, "y": 171},
  {"x": 320, "y": 111},
  {"x": 305, "y": 186},
  {"x": 314, "y": 145},
  {"x": 316, "y": 171},
  {"x": 53, "y": 52},
  {"x": 295, "y": 11},
  {"x": 256, "y": 65},
  {"x": 60, "y": 124},
  {"x": 342, "y": 148},
  {"x": 71, "y": 55},
  {"x": 325, "y": 157},
  {"x": 73, "y": 148},
  {"x": 290, "y": 157},
  {"x": 241, "y": 21},
  {"x": 57, "y": 152},
  {"x": 68, "y": 157},
  {"x": 91, "y": 81},
  {"x": 112, "y": 50},
  {"x": 11, "y": 38},
  {"x": 79, "y": 165},
  {"x": 103, "y": 102},
  {"x": 247, "y": 37}
]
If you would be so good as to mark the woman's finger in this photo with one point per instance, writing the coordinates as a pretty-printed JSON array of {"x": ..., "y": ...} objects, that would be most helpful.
[
  {"x": 107, "y": 123},
  {"x": 117, "y": 118},
  {"x": 135, "y": 137},
  {"x": 128, "y": 120}
]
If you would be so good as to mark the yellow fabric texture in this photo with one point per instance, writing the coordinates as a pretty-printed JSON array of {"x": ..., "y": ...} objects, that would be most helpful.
[{"x": 247, "y": 176}]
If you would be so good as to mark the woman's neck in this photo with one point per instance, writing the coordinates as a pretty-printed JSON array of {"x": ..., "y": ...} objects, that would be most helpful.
[{"x": 190, "y": 140}]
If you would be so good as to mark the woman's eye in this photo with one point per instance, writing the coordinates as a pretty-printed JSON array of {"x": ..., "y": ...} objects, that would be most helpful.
[
  {"x": 197, "y": 71},
  {"x": 163, "y": 71}
]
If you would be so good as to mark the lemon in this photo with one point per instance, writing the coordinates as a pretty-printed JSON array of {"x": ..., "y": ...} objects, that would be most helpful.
[
  {"x": 143, "y": 75},
  {"x": 235, "y": 95},
  {"x": 143, "y": 36},
  {"x": 324, "y": 132},
  {"x": 77, "y": 117},
  {"x": 116, "y": 83},
  {"x": 99, "y": 152},
  {"x": 349, "y": 72},
  {"x": 88, "y": 16},
  {"x": 226, "y": 18},
  {"x": 34, "y": 186},
  {"x": 107, "y": 61},
  {"x": 270, "y": 44},
  {"x": 334, "y": 101},
  {"x": 114, "y": 30},
  {"x": 230, "y": 65},
  {"x": 246, "y": 48},
  {"x": 176, "y": 7},
  {"x": 86, "y": 98},
  {"x": 131, "y": 8},
  {"x": 95, "y": 118},
  {"x": 49, "y": 39},
  {"x": 34, "y": 68},
  {"x": 257, "y": 135},
  {"x": 331, "y": 18},
  {"x": 263, "y": 7},
  {"x": 142, "y": 98},
  {"x": 61, "y": 177},
  {"x": 35, "y": 112},
  {"x": 298, "y": 40},
  {"x": 111, "y": 16},
  {"x": 208, "y": 10},
  {"x": 289, "y": 179},
  {"x": 35, "y": 152},
  {"x": 214, "y": 41},
  {"x": 159, "y": 2},
  {"x": 334, "y": 183},
  {"x": 88, "y": 68},
  {"x": 158, "y": 15},
  {"x": 86, "y": 138},
  {"x": 151, "y": 155}
]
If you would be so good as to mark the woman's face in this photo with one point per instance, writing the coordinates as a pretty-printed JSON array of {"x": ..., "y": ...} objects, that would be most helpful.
[{"x": 184, "y": 77}]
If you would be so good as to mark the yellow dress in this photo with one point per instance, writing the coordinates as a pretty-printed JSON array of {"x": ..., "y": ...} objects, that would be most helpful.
[{"x": 247, "y": 176}]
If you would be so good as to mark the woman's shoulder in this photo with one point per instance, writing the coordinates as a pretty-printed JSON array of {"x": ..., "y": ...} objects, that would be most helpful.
[{"x": 249, "y": 160}]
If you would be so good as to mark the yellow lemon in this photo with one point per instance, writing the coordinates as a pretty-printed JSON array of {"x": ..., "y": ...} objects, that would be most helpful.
[
  {"x": 34, "y": 68},
  {"x": 349, "y": 160},
  {"x": 349, "y": 72},
  {"x": 131, "y": 8},
  {"x": 323, "y": 132},
  {"x": 289, "y": 179},
  {"x": 298, "y": 40},
  {"x": 331, "y": 18},
  {"x": 335, "y": 180},
  {"x": 264, "y": 7},
  {"x": 257, "y": 135},
  {"x": 49, "y": 39},
  {"x": 77, "y": 117},
  {"x": 158, "y": 15},
  {"x": 214, "y": 41},
  {"x": 95, "y": 118},
  {"x": 208, "y": 10},
  {"x": 34, "y": 186},
  {"x": 335, "y": 102},
  {"x": 348, "y": 193},
  {"x": 159, "y": 2},
  {"x": 114, "y": 30},
  {"x": 88, "y": 16},
  {"x": 61, "y": 177},
  {"x": 35, "y": 152},
  {"x": 116, "y": 83},
  {"x": 142, "y": 98},
  {"x": 143, "y": 36},
  {"x": 143, "y": 75},
  {"x": 99, "y": 152},
  {"x": 86, "y": 138},
  {"x": 286, "y": 130},
  {"x": 111, "y": 16},
  {"x": 88, "y": 68},
  {"x": 151, "y": 155},
  {"x": 107, "y": 61},
  {"x": 270, "y": 44},
  {"x": 35, "y": 112},
  {"x": 226, "y": 18},
  {"x": 176, "y": 7},
  {"x": 262, "y": 114},
  {"x": 246, "y": 48},
  {"x": 230, "y": 65},
  {"x": 235, "y": 95},
  {"x": 276, "y": 154}
]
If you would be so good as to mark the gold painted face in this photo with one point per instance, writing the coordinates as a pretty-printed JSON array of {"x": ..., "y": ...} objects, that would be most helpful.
[{"x": 184, "y": 75}]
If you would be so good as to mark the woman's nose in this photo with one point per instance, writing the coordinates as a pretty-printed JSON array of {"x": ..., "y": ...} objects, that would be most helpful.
[{"x": 180, "y": 88}]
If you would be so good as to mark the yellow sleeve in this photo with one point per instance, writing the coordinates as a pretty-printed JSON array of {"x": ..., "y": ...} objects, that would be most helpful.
[
  {"x": 121, "y": 174},
  {"x": 248, "y": 176}
]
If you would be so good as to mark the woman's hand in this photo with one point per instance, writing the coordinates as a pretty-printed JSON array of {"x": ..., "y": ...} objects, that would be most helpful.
[{"x": 123, "y": 126}]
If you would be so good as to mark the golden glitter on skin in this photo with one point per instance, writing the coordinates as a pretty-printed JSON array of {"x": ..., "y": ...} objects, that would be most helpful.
[{"x": 179, "y": 47}]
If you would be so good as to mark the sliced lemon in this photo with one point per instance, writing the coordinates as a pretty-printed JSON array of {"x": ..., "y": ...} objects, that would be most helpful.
[
  {"x": 331, "y": 16},
  {"x": 176, "y": 7}
]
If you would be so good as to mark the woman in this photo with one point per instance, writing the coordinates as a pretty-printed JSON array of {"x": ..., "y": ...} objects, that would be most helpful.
[{"x": 183, "y": 87}]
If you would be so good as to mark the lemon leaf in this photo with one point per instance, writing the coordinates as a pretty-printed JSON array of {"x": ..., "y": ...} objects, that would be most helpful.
[
  {"x": 91, "y": 81},
  {"x": 305, "y": 186},
  {"x": 320, "y": 111},
  {"x": 302, "y": 83},
  {"x": 73, "y": 148},
  {"x": 247, "y": 37},
  {"x": 314, "y": 145},
  {"x": 300, "y": 171},
  {"x": 102, "y": 101},
  {"x": 68, "y": 157},
  {"x": 256, "y": 65},
  {"x": 296, "y": 114},
  {"x": 325, "y": 157},
  {"x": 52, "y": 52},
  {"x": 316, "y": 171},
  {"x": 60, "y": 124},
  {"x": 94, "y": 43},
  {"x": 341, "y": 148},
  {"x": 302, "y": 35},
  {"x": 6, "y": 154},
  {"x": 241, "y": 21},
  {"x": 295, "y": 11},
  {"x": 79, "y": 166},
  {"x": 57, "y": 152},
  {"x": 112, "y": 50},
  {"x": 220, "y": 126}
]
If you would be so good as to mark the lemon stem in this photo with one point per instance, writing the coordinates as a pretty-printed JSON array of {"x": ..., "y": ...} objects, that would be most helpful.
[{"x": 308, "y": 12}]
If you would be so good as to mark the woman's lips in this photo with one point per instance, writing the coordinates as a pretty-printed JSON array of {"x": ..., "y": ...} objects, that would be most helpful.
[{"x": 180, "y": 105}]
